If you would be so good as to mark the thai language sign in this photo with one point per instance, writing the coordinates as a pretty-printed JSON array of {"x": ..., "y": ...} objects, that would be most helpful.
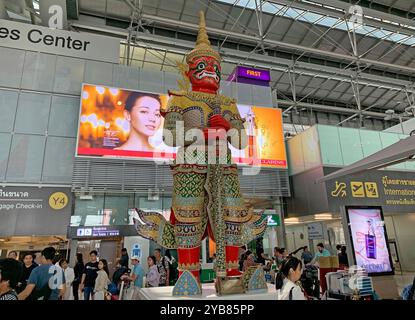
[
  {"x": 393, "y": 190},
  {"x": 30, "y": 210}
]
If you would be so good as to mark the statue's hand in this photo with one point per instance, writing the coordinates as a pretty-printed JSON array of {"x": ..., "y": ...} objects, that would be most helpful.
[
  {"x": 152, "y": 225},
  {"x": 219, "y": 122},
  {"x": 148, "y": 224},
  {"x": 212, "y": 133},
  {"x": 255, "y": 227}
]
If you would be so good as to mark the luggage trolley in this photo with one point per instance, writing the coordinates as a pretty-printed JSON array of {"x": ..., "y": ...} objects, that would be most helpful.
[{"x": 125, "y": 285}]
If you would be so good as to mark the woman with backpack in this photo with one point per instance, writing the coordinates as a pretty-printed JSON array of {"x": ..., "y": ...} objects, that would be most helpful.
[{"x": 285, "y": 281}]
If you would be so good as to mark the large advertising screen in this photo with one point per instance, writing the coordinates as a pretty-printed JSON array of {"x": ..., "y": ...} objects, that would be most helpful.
[
  {"x": 122, "y": 123},
  {"x": 369, "y": 239}
]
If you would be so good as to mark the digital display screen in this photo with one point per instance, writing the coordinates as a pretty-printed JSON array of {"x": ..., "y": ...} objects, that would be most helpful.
[
  {"x": 119, "y": 123},
  {"x": 369, "y": 239}
]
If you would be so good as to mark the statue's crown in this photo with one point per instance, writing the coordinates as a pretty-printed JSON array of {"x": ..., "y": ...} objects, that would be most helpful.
[{"x": 202, "y": 48}]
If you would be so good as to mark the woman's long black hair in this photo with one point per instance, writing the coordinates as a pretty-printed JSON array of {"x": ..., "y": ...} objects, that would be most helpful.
[
  {"x": 154, "y": 259},
  {"x": 287, "y": 265},
  {"x": 134, "y": 96},
  {"x": 105, "y": 263},
  {"x": 79, "y": 258}
]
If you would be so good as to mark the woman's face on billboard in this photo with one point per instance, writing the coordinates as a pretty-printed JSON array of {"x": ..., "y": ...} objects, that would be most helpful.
[{"x": 145, "y": 116}]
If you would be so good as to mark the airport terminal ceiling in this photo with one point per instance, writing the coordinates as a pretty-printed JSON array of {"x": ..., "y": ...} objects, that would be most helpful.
[{"x": 324, "y": 68}]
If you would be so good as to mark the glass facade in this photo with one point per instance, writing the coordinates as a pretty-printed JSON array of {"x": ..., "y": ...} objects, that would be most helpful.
[
  {"x": 115, "y": 209},
  {"x": 39, "y": 104},
  {"x": 37, "y": 137},
  {"x": 324, "y": 145},
  {"x": 303, "y": 151},
  {"x": 351, "y": 145},
  {"x": 331, "y": 151}
]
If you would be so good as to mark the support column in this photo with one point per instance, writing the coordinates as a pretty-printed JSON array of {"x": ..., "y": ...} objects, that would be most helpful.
[
  {"x": 204, "y": 255},
  {"x": 73, "y": 245},
  {"x": 281, "y": 236},
  {"x": 272, "y": 238},
  {"x": 3, "y": 12}
]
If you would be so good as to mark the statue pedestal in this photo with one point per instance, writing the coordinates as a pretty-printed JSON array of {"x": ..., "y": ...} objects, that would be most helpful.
[{"x": 208, "y": 293}]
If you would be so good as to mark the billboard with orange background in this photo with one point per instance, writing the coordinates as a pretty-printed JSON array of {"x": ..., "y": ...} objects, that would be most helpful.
[{"x": 266, "y": 145}]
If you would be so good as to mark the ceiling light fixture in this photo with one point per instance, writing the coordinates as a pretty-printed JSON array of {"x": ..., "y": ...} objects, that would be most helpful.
[
  {"x": 291, "y": 221},
  {"x": 323, "y": 216}
]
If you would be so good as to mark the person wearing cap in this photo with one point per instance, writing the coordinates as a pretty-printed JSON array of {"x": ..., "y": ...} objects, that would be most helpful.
[{"x": 137, "y": 275}]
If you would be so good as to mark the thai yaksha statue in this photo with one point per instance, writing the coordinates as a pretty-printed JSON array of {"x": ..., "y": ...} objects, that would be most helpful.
[{"x": 206, "y": 194}]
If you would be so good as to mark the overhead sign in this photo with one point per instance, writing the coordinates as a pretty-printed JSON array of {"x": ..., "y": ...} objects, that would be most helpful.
[
  {"x": 393, "y": 190},
  {"x": 61, "y": 42},
  {"x": 136, "y": 250},
  {"x": 315, "y": 231},
  {"x": 273, "y": 218},
  {"x": 250, "y": 76},
  {"x": 29, "y": 210},
  {"x": 97, "y": 231},
  {"x": 252, "y": 73}
]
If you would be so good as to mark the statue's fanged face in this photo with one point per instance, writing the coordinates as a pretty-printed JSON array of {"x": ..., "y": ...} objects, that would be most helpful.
[{"x": 204, "y": 74}]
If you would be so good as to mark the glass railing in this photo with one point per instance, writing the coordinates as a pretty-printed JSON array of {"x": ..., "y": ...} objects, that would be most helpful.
[{"x": 324, "y": 145}]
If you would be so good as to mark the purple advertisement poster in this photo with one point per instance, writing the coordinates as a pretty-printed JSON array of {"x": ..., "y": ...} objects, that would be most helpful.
[{"x": 369, "y": 238}]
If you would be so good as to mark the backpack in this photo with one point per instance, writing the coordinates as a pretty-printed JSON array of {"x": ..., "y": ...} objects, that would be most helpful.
[
  {"x": 113, "y": 288},
  {"x": 290, "y": 296},
  {"x": 241, "y": 261},
  {"x": 173, "y": 272},
  {"x": 43, "y": 292}
]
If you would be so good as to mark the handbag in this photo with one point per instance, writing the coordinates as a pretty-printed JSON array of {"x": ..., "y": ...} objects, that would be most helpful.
[
  {"x": 229, "y": 285},
  {"x": 107, "y": 296}
]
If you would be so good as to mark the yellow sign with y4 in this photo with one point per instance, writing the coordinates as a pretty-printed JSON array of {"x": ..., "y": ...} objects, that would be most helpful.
[{"x": 58, "y": 200}]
